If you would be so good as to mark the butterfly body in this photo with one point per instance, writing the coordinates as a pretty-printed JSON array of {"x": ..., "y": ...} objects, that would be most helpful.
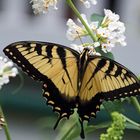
[{"x": 73, "y": 80}]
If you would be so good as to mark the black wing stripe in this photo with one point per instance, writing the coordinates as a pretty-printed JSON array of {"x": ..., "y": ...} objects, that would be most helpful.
[
  {"x": 24, "y": 63},
  {"x": 118, "y": 71},
  {"x": 100, "y": 65},
  {"x": 131, "y": 90},
  {"x": 62, "y": 54},
  {"x": 110, "y": 68},
  {"x": 38, "y": 49},
  {"x": 49, "y": 51}
]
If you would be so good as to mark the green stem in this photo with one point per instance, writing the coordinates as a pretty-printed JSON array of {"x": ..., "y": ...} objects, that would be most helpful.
[
  {"x": 6, "y": 129},
  {"x": 135, "y": 102},
  {"x": 93, "y": 36},
  {"x": 131, "y": 121}
]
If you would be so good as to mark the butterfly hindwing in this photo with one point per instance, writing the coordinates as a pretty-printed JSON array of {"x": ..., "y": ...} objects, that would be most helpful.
[
  {"x": 104, "y": 79},
  {"x": 56, "y": 66}
]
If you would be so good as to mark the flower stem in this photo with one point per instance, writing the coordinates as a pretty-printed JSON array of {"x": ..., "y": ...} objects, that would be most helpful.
[
  {"x": 72, "y": 6},
  {"x": 6, "y": 129},
  {"x": 131, "y": 121},
  {"x": 135, "y": 102}
]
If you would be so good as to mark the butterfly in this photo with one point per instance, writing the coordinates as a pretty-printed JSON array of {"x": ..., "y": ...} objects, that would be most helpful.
[{"x": 71, "y": 79}]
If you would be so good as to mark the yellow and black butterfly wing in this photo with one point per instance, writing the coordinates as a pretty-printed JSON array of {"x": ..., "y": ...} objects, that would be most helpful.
[
  {"x": 104, "y": 79},
  {"x": 56, "y": 66}
]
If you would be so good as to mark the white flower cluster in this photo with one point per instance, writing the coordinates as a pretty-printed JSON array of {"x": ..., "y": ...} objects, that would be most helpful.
[
  {"x": 74, "y": 31},
  {"x": 6, "y": 70},
  {"x": 109, "y": 33},
  {"x": 41, "y": 6},
  {"x": 88, "y": 3}
]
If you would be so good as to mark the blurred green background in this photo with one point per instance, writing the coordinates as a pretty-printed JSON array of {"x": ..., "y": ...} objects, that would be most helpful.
[{"x": 26, "y": 111}]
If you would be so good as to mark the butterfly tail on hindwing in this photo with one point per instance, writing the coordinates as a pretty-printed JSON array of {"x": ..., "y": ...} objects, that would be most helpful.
[{"x": 59, "y": 103}]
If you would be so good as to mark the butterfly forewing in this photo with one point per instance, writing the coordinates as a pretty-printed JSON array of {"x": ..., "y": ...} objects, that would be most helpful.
[
  {"x": 104, "y": 79},
  {"x": 54, "y": 65}
]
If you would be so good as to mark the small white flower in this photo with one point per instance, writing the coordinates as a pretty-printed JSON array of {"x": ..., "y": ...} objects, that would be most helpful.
[
  {"x": 117, "y": 27},
  {"x": 4, "y": 80},
  {"x": 88, "y": 3},
  {"x": 74, "y": 31},
  {"x": 121, "y": 40},
  {"x": 41, "y": 6},
  {"x": 6, "y": 70},
  {"x": 103, "y": 32},
  {"x": 14, "y": 72},
  {"x": 94, "y": 25},
  {"x": 96, "y": 44},
  {"x": 110, "y": 15},
  {"x": 107, "y": 47},
  {"x": 94, "y": 2},
  {"x": 78, "y": 48}
]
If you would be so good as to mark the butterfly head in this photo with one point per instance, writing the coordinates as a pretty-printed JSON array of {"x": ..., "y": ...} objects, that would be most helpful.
[{"x": 90, "y": 51}]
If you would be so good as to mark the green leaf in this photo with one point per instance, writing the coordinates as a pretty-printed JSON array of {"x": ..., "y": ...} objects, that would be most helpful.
[
  {"x": 97, "y": 17},
  {"x": 75, "y": 130},
  {"x": 108, "y": 54},
  {"x": 71, "y": 133},
  {"x": 70, "y": 129},
  {"x": 135, "y": 103},
  {"x": 113, "y": 106}
]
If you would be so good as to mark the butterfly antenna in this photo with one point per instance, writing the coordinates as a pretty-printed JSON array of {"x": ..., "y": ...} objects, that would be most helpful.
[
  {"x": 80, "y": 38},
  {"x": 82, "y": 134},
  {"x": 82, "y": 41},
  {"x": 57, "y": 122}
]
